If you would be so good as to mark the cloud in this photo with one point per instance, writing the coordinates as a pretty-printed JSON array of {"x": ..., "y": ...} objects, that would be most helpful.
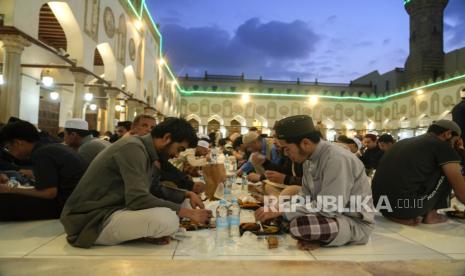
[
  {"x": 332, "y": 19},
  {"x": 273, "y": 49},
  {"x": 455, "y": 26},
  {"x": 278, "y": 39}
]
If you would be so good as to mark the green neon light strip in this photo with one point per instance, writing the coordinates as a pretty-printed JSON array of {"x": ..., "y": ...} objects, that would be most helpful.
[
  {"x": 183, "y": 91},
  {"x": 379, "y": 99}
]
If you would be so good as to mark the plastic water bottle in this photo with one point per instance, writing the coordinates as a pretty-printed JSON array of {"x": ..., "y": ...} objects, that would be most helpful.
[
  {"x": 222, "y": 224},
  {"x": 228, "y": 187},
  {"x": 245, "y": 182},
  {"x": 227, "y": 165},
  {"x": 214, "y": 156},
  {"x": 234, "y": 217}
]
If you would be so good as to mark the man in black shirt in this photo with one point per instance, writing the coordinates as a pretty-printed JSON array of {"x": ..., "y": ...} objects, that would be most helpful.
[
  {"x": 372, "y": 153},
  {"x": 57, "y": 169},
  {"x": 458, "y": 113},
  {"x": 416, "y": 176}
]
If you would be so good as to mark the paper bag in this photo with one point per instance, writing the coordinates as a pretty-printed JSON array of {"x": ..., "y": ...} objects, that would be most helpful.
[{"x": 214, "y": 174}]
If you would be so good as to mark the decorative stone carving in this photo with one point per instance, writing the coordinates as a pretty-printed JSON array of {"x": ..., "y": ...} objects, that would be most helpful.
[
  {"x": 378, "y": 114},
  {"x": 284, "y": 110},
  {"x": 132, "y": 49},
  {"x": 227, "y": 109},
  {"x": 307, "y": 111},
  {"x": 91, "y": 18},
  {"x": 121, "y": 40},
  {"x": 328, "y": 112},
  {"x": 250, "y": 110},
  {"x": 447, "y": 101},
  {"x": 370, "y": 113},
  {"x": 412, "y": 108},
  {"x": 295, "y": 109},
  {"x": 204, "y": 108},
  {"x": 216, "y": 108},
  {"x": 271, "y": 110},
  {"x": 349, "y": 112},
  {"x": 237, "y": 109},
  {"x": 261, "y": 110},
  {"x": 338, "y": 112},
  {"x": 109, "y": 22},
  {"x": 387, "y": 112},
  {"x": 435, "y": 104},
  {"x": 403, "y": 109},
  {"x": 359, "y": 113},
  {"x": 423, "y": 106}
]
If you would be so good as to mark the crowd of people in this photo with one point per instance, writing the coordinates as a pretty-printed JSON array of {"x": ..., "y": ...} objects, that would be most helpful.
[{"x": 138, "y": 182}]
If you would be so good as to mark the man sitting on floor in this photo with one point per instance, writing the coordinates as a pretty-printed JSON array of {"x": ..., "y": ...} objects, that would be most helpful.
[
  {"x": 191, "y": 160},
  {"x": 330, "y": 173},
  {"x": 114, "y": 200},
  {"x": 78, "y": 137},
  {"x": 261, "y": 149},
  {"x": 56, "y": 169},
  {"x": 417, "y": 175}
]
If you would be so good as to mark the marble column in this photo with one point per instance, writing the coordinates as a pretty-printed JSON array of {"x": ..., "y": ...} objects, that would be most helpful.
[
  {"x": 10, "y": 97},
  {"x": 132, "y": 106},
  {"x": 79, "y": 91},
  {"x": 111, "y": 103}
]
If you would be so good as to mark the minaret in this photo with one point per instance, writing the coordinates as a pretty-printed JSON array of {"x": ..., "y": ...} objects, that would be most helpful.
[{"x": 426, "y": 59}]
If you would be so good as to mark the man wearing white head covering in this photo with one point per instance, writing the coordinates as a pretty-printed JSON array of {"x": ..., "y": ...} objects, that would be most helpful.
[
  {"x": 193, "y": 158},
  {"x": 458, "y": 112},
  {"x": 78, "y": 137}
]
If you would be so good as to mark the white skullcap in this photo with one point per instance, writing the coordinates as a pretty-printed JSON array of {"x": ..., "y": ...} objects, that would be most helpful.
[
  {"x": 77, "y": 124},
  {"x": 203, "y": 144}
]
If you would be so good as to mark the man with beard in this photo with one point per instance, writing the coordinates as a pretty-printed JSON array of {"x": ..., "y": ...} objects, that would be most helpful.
[
  {"x": 114, "y": 202},
  {"x": 331, "y": 174},
  {"x": 416, "y": 175}
]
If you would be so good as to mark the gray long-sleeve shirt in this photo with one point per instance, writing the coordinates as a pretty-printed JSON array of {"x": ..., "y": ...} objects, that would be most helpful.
[
  {"x": 334, "y": 171},
  {"x": 91, "y": 147},
  {"x": 120, "y": 177}
]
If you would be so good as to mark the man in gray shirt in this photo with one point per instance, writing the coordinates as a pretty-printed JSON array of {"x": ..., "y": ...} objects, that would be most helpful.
[
  {"x": 78, "y": 137},
  {"x": 113, "y": 202},
  {"x": 338, "y": 207}
]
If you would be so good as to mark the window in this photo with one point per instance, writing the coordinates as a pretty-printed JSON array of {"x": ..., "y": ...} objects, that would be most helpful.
[
  {"x": 214, "y": 88},
  {"x": 387, "y": 86},
  {"x": 233, "y": 89},
  {"x": 195, "y": 87},
  {"x": 289, "y": 91},
  {"x": 270, "y": 90}
]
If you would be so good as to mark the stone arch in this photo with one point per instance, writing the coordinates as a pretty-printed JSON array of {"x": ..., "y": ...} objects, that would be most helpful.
[
  {"x": 338, "y": 112},
  {"x": 241, "y": 120},
  {"x": 359, "y": 113},
  {"x": 109, "y": 61},
  {"x": 194, "y": 117},
  {"x": 131, "y": 80},
  {"x": 71, "y": 28}
]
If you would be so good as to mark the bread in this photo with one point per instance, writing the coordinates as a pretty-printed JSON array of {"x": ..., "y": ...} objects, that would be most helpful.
[{"x": 250, "y": 226}]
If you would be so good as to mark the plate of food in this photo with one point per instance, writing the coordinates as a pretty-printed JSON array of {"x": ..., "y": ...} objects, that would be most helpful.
[
  {"x": 257, "y": 230},
  {"x": 249, "y": 205},
  {"x": 191, "y": 226}
]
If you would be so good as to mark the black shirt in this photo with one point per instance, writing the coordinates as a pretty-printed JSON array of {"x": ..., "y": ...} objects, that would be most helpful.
[
  {"x": 411, "y": 168},
  {"x": 371, "y": 157},
  {"x": 56, "y": 165},
  {"x": 458, "y": 116}
]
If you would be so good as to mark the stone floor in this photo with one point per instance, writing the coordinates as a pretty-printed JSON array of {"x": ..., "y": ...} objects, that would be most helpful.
[{"x": 41, "y": 245}]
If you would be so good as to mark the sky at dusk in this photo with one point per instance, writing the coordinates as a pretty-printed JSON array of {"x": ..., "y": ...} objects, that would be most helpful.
[{"x": 334, "y": 40}]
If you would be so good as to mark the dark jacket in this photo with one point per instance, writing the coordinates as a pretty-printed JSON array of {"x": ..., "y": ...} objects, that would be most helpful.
[{"x": 458, "y": 116}]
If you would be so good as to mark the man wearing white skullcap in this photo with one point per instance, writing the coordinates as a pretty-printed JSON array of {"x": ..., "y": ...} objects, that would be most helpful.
[
  {"x": 190, "y": 160},
  {"x": 458, "y": 112},
  {"x": 78, "y": 137}
]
